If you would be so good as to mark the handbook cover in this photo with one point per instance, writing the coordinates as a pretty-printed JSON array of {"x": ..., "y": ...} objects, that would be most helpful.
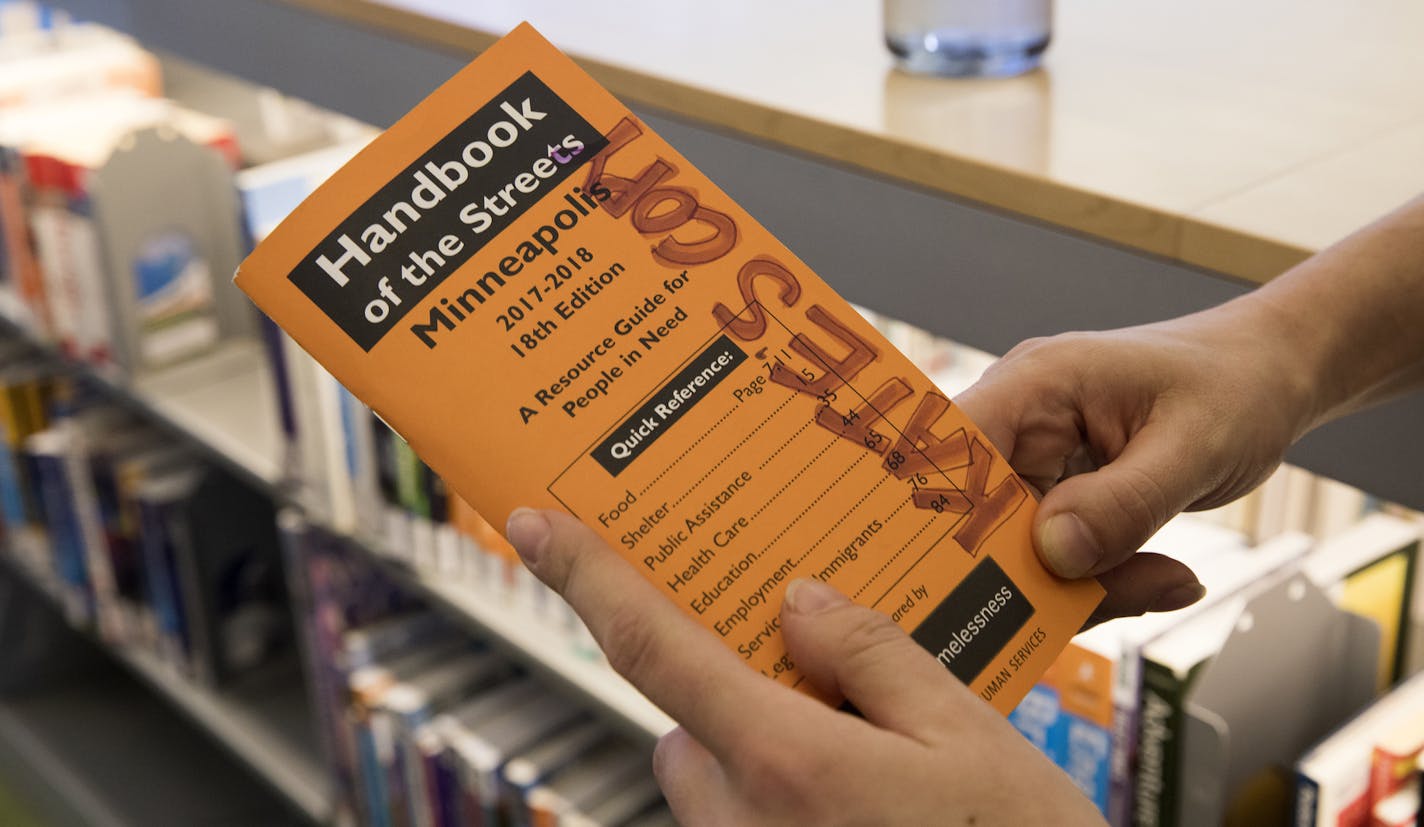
[{"x": 555, "y": 309}]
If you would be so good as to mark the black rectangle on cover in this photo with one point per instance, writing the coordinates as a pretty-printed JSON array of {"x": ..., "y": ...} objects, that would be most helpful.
[
  {"x": 667, "y": 404},
  {"x": 975, "y": 621}
]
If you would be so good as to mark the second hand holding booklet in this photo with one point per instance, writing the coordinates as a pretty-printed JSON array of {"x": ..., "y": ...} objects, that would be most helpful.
[{"x": 555, "y": 309}]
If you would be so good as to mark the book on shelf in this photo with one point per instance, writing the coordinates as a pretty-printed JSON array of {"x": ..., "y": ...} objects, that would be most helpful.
[
  {"x": 1370, "y": 568},
  {"x": 231, "y": 574},
  {"x": 411, "y": 704},
  {"x": 47, "y": 453},
  {"x": 25, "y": 389},
  {"x": 213, "y": 571},
  {"x": 467, "y": 758},
  {"x": 121, "y": 479},
  {"x": 619, "y": 806},
  {"x": 576, "y": 789},
  {"x": 1107, "y": 657},
  {"x": 611, "y": 335},
  {"x": 1366, "y": 771},
  {"x": 1068, "y": 715},
  {"x": 1231, "y": 696},
  {"x": 531, "y": 769},
  {"x": 140, "y": 540},
  {"x": 132, "y": 227},
  {"x": 367, "y": 687},
  {"x": 350, "y": 616},
  {"x": 84, "y": 442}
]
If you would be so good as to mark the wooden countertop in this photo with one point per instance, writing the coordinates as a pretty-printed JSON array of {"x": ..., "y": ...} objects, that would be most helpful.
[{"x": 1234, "y": 136}]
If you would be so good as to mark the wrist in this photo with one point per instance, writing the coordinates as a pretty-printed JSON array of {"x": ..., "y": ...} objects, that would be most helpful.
[{"x": 1295, "y": 359}]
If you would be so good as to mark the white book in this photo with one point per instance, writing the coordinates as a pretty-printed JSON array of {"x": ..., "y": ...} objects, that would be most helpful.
[
  {"x": 587, "y": 782},
  {"x": 1334, "y": 775},
  {"x": 477, "y": 752}
]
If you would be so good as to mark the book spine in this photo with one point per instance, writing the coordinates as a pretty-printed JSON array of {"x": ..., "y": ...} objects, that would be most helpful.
[
  {"x": 372, "y": 773},
  {"x": 1086, "y": 749},
  {"x": 93, "y": 538},
  {"x": 423, "y": 782},
  {"x": 160, "y": 584},
  {"x": 445, "y": 793},
  {"x": 1307, "y": 799},
  {"x": 19, "y": 418},
  {"x": 22, "y": 269},
  {"x": 410, "y": 480},
  {"x": 274, "y": 341},
  {"x": 309, "y": 461},
  {"x": 13, "y": 490},
  {"x": 49, "y": 222},
  {"x": 362, "y": 461},
  {"x": 119, "y": 545},
  {"x": 66, "y": 537},
  {"x": 187, "y": 575},
  {"x": 96, "y": 326},
  {"x": 333, "y": 432},
  {"x": 1159, "y": 728},
  {"x": 1120, "y": 780}
]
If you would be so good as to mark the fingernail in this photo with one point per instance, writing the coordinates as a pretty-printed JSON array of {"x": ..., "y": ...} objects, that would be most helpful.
[
  {"x": 1178, "y": 597},
  {"x": 527, "y": 530},
  {"x": 808, "y": 596},
  {"x": 1067, "y": 546}
]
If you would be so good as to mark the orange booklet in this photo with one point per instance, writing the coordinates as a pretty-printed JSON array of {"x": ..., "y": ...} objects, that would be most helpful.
[{"x": 555, "y": 309}]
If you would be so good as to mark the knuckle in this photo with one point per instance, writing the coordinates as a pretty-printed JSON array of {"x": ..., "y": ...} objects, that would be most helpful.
[
  {"x": 559, "y": 565},
  {"x": 1027, "y": 347},
  {"x": 870, "y": 639},
  {"x": 1046, "y": 358},
  {"x": 1142, "y": 497},
  {"x": 629, "y": 642}
]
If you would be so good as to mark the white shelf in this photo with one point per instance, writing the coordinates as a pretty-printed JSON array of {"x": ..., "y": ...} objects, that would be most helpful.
[
  {"x": 262, "y": 725},
  {"x": 224, "y": 400},
  {"x": 295, "y": 772},
  {"x": 98, "y": 750}
]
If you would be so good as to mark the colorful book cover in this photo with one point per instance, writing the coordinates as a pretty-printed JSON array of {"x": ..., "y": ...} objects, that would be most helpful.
[
  {"x": 554, "y": 308},
  {"x": 1069, "y": 716}
]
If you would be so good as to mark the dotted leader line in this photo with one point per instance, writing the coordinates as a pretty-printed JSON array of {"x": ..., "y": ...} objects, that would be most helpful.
[
  {"x": 818, "y": 498},
  {"x": 902, "y": 504},
  {"x": 895, "y": 556},
  {"x": 697, "y": 484},
  {"x": 786, "y": 444},
  {"x": 683, "y": 455},
  {"x": 787, "y": 486},
  {"x": 759, "y": 426},
  {"x": 846, "y": 516}
]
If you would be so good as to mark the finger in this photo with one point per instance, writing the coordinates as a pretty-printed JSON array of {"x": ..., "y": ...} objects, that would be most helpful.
[
  {"x": 1092, "y": 522},
  {"x": 679, "y": 665},
  {"x": 992, "y": 411},
  {"x": 860, "y": 654},
  {"x": 1146, "y": 582},
  {"x": 691, "y": 779}
]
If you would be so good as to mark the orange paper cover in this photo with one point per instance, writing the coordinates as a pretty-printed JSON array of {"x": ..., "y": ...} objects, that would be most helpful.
[{"x": 557, "y": 310}]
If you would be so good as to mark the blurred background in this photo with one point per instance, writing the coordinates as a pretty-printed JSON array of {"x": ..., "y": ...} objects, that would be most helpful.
[{"x": 230, "y": 595}]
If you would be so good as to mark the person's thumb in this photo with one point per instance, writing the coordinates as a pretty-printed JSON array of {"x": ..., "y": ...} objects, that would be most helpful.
[
  {"x": 856, "y": 653},
  {"x": 1092, "y": 522}
]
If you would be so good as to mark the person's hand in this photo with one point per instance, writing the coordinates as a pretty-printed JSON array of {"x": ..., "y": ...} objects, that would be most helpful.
[
  {"x": 751, "y": 751},
  {"x": 1122, "y": 430}
]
